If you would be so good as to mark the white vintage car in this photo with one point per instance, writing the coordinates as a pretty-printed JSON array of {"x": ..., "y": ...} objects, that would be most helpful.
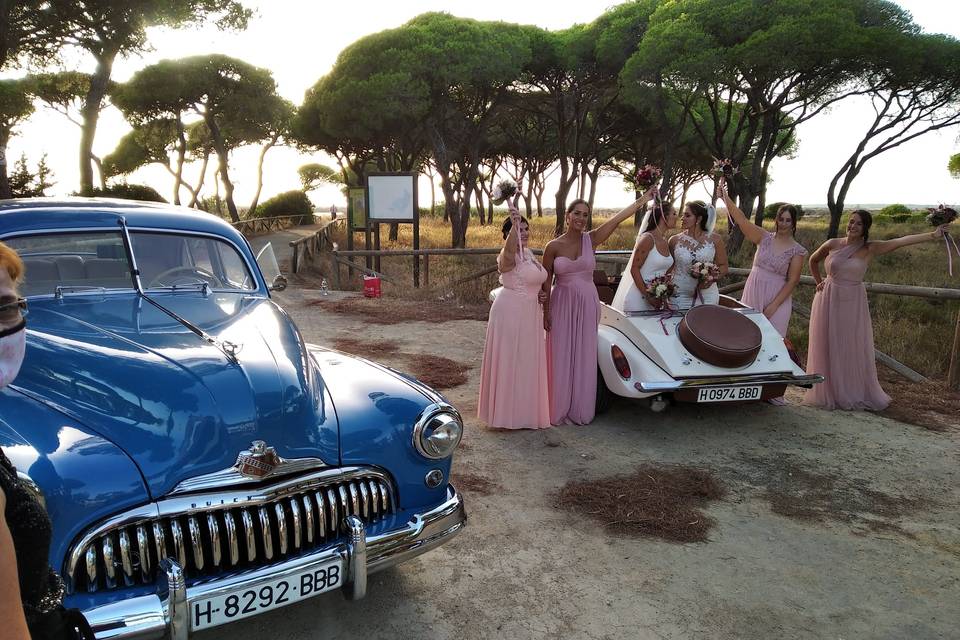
[{"x": 708, "y": 354}]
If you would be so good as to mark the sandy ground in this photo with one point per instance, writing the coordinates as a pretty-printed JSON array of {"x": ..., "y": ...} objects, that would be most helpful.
[{"x": 835, "y": 525}]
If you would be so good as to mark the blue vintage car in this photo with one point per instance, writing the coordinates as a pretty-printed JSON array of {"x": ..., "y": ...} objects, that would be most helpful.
[{"x": 201, "y": 463}]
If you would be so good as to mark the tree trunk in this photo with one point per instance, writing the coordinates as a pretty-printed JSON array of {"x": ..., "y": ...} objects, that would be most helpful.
[
  {"x": 223, "y": 170},
  {"x": 181, "y": 158},
  {"x": 99, "y": 83},
  {"x": 394, "y": 231},
  {"x": 568, "y": 176},
  {"x": 203, "y": 175},
  {"x": 4, "y": 178},
  {"x": 638, "y": 216},
  {"x": 481, "y": 210},
  {"x": 251, "y": 212}
]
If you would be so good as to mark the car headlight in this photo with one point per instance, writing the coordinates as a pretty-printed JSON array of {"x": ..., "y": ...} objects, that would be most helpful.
[{"x": 438, "y": 431}]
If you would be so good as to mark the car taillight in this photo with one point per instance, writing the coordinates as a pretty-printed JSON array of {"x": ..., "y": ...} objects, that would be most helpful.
[{"x": 620, "y": 362}]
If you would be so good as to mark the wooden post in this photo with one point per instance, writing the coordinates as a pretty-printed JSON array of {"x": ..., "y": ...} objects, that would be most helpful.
[
  {"x": 953, "y": 377},
  {"x": 336, "y": 270},
  {"x": 294, "y": 261},
  {"x": 426, "y": 271}
]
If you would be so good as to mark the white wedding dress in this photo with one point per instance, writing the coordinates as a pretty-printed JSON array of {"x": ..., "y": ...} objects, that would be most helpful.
[
  {"x": 628, "y": 297},
  {"x": 687, "y": 251}
]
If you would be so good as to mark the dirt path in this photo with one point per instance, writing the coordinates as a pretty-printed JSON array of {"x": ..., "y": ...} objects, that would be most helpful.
[{"x": 835, "y": 525}]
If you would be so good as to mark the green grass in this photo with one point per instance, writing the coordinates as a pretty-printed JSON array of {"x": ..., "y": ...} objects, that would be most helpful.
[{"x": 915, "y": 331}]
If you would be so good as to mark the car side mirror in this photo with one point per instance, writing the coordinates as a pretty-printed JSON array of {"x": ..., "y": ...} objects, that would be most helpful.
[{"x": 267, "y": 260}]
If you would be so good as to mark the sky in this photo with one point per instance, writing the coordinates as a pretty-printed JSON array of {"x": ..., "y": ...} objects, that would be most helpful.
[{"x": 299, "y": 40}]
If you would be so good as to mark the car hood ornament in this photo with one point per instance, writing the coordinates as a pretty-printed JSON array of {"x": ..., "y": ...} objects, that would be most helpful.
[{"x": 259, "y": 461}]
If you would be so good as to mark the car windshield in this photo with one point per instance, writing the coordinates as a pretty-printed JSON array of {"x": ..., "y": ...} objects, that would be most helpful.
[{"x": 84, "y": 261}]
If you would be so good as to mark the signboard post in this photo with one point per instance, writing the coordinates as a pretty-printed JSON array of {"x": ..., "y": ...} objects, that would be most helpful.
[
  {"x": 392, "y": 197},
  {"x": 357, "y": 217}
]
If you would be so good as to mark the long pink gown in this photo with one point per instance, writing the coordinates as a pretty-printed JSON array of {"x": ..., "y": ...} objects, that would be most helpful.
[
  {"x": 513, "y": 376},
  {"x": 572, "y": 344},
  {"x": 767, "y": 277},
  {"x": 841, "y": 338}
]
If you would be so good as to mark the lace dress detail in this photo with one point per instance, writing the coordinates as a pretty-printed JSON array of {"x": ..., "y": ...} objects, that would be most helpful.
[
  {"x": 685, "y": 253},
  {"x": 767, "y": 277}
]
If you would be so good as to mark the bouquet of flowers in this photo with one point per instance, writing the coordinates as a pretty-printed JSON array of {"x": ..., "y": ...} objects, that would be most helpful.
[
  {"x": 647, "y": 176},
  {"x": 661, "y": 288},
  {"x": 505, "y": 190},
  {"x": 706, "y": 273},
  {"x": 723, "y": 169},
  {"x": 941, "y": 215},
  {"x": 945, "y": 215}
]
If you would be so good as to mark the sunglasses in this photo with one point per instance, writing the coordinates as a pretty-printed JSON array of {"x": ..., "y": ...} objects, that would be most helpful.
[{"x": 13, "y": 310}]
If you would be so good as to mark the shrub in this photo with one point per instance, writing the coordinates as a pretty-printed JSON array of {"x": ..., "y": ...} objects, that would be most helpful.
[
  {"x": 901, "y": 217},
  {"x": 127, "y": 191},
  {"x": 892, "y": 210},
  {"x": 770, "y": 211},
  {"x": 286, "y": 204}
]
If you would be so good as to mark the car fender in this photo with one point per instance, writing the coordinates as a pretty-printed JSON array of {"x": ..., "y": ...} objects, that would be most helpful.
[{"x": 641, "y": 367}]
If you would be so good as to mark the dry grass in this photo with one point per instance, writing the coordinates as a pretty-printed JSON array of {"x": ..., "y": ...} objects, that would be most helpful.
[
  {"x": 930, "y": 405},
  {"x": 372, "y": 349},
  {"x": 794, "y": 490},
  {"x": 392, "y": 311},
  {"x": 436, "y": 371},
  {"x": 657, "y": 502},
  {"x": 474, "y": 483}
]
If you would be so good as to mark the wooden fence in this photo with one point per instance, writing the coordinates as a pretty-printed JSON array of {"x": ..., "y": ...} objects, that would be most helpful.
[
  {"x": 266, "y": 225},
  {"x": 309, "y": 247}
]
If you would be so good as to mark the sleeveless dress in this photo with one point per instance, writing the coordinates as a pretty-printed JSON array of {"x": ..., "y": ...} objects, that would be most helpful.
[
  {"x": 685, "y": 253},
  {"x": 513, "y": 376},
  {"x": 841, "y": 338},
  {"x": 628, "y": 297},
  {"x": 572, "y": 343},
  {"x": 767, "y": 277}
]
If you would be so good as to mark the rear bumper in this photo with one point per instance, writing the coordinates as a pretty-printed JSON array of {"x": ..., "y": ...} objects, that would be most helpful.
[
  {"x": 806, "y": 380},
  {"x": 166, "y": 614}
]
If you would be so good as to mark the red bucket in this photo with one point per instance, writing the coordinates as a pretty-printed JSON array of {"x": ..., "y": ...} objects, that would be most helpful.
[{"x": 371, "y": 286}]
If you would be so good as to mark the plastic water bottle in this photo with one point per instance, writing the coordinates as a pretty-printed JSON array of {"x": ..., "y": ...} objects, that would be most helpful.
[{"x": 324, "y": 287}]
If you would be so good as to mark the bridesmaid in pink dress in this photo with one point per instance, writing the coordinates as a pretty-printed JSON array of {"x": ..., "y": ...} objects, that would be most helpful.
[
  {"x": 777, "y": 263},
  {"x": 841, "y": 333},
  {"x": 572, "y": 312},
  {"x": 513, "y": 376}
]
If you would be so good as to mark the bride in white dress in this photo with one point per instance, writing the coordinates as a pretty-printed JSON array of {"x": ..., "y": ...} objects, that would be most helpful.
[
  {"x": 697, "y": 243},
  {"x": 650, "y": 258}
]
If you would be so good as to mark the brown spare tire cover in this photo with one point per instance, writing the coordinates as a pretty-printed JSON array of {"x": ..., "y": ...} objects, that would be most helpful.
[{"x": 720, "y": 336}]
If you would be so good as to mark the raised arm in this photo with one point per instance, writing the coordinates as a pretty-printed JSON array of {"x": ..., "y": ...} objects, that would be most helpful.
[
  {"x": 880, "y": 247},
  {"x": 721, "y": 255},
  {"x": 507, "y": 259},
  {"x": 549, "y": 253},
  {"x": 751, "y": 232},
  {"x": 599, "y": 235}
]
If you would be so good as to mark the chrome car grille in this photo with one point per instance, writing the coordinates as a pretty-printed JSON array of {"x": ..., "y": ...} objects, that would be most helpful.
[{"x": 211, "y": 532}]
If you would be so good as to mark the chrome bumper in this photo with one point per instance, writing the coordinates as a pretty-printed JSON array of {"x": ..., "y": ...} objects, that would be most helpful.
[
  {"x": 166, "y": 613},
  {"x": 697, "y": 383}
]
